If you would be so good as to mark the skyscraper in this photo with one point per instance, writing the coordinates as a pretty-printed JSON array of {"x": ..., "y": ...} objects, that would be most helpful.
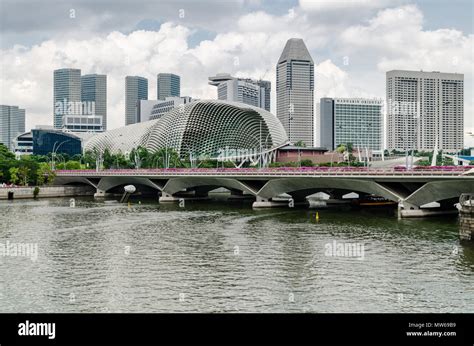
[
  {"x": 351, "y": 120},
  {"x": 245, "y": 90},
  {"x": 12, "y": 123},
  {"x": 67, "y": 94},
  {"x": 136, "y": 88},
  {"x": 425, "y": 110},
  {"x": 167, "y": 84},
  {"x": 295, "y": 91},
  {"x": 94, "y": 89}
]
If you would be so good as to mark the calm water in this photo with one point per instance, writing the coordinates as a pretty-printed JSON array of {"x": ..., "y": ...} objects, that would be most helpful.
[{"x": 225, "y": 257}]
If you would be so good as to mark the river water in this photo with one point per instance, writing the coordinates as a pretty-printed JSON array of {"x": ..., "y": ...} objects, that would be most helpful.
[{"x": 219, "y": 256}]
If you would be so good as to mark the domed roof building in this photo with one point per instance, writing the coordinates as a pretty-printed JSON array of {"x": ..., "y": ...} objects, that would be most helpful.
[{"x": 205, "y": 128}]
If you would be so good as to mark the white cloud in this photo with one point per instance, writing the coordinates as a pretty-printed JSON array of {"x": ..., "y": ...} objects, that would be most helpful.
[
  {"x": 336, "y": 5},
  {"x": 395, "y": 39},
  {"x": 241, "y": 52},
  {"x": 392, "y": 38}
]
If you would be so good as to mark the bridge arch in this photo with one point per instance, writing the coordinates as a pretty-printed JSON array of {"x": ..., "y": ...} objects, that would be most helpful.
[
  {"x": 436, "y": 191},
  {"x": 175, "y": 185},
  {"x": 73, "y": 180},
  {"x": 298, "y": 186},
  {"x": 108, "y": 183}
]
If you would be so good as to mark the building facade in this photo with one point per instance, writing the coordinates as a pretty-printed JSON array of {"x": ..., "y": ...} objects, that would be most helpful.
[
  {"x": 144, "y": 108},
  {"x": 351, "y": 120},
  {"x": 325, "y": 123},
  {"x": 167, "y": 85},
  {"x": 245, "y": 90},
  {"x": 136, "y": 88},
  {"x": 23, "y": 144},
  {"x": 295, "y": 92},
  {"x": 47, "y": 141},
  {"x": 83, "y": 123},
  {"x": 154, "y": 109},
  {"x": 200, "y": 129},
  {"x": 12, "y": 123},
  {"x": 67, "y": 94},
  {"x": 94, "y": 89},
  {"x": 160, "y": 108},
  {"x": 425, "y": 110}
]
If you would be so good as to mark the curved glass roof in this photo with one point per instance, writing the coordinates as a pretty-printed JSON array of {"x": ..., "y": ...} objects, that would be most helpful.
[{"x": 202, "y": 128}]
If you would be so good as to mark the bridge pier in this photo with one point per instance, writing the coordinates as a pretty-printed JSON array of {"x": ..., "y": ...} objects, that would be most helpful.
[
  {"x": 407, "y": 210},
  {"x": 239, "y": 195},
  {"x": 99, "y": 193},
  {"x": 187, "y": 196},
  {"x": 262, "y": 202},
  {"x": 466, "y": 217}
]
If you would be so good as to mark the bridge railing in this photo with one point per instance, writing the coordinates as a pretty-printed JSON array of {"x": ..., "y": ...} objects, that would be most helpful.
[{"x": 358, "y": 171}]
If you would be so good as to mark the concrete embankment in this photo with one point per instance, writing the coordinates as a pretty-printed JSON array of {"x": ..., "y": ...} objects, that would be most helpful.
[
  {"x": 45, "y": 191},
  {"x": 466, "y": 224}
]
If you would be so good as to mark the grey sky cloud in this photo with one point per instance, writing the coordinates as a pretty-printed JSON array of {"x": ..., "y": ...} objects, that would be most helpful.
[{"x": 350, "y": 45}]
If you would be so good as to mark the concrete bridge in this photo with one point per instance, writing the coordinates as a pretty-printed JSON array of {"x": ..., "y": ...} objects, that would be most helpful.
[{"x": 411, "y": 189}]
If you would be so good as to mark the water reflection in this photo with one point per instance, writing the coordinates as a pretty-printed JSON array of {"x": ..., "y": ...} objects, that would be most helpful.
[{"x": 222, "y": 257}]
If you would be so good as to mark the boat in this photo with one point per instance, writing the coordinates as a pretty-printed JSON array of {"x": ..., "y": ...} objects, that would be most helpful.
[{"x": 373, "y": 201}]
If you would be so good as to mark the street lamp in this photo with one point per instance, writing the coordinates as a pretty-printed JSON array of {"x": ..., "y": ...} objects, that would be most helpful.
[{"x": 53, "y": 153}]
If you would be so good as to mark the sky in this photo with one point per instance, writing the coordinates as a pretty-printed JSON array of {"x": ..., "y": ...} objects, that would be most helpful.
[{"x": 353, "y": 44}]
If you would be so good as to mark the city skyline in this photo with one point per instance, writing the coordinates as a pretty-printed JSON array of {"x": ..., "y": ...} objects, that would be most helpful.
[{"x": 350, "y": 64}]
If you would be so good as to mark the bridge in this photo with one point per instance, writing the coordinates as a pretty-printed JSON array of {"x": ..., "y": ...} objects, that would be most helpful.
[{"x": 411, "y": 189}]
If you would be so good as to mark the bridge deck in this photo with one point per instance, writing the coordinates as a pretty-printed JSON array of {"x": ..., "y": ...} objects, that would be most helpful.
[{"x": 331, "y": 172}]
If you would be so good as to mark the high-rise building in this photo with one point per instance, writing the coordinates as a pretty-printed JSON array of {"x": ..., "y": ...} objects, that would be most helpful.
[
  {"x": 425, "y": 110},
  {"x": 67, "y": 94},
  {"x": 155, "y": 109},
  {"x": 245, "y": 90},
  {"x": 94, "y": 89},
  {"x": 351, "y": 120},
  {"x": 12, "y": 123},
  {"x": 325, "y": 123},
  {"x": 295, "y": 91},
  {"x": 162, "y": 107},
  {"x": 136, "y": 88},
  {"x": 167, "y": 85}
]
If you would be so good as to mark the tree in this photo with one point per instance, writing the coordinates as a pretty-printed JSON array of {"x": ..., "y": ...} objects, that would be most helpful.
[
  {"x": 89, "y": 159},
  {"x": 300, "y": 144},
  {"x": 341, "y": 148},
  {"x": 165, "y": 157},
  {"x": 45, "y": 174},
  {"x": 23, "y": 173},
  {"x": 73, "y": 165},
  {"x": 13, "y": 174},
  {"x": 140, "y": 157},
  {"x": 7, "y": 160}
]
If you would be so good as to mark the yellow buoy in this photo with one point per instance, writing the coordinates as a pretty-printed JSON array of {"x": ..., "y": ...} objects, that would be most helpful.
[
  {"x": 317, "y": 216},
  {"x": 129, "y": 204}
]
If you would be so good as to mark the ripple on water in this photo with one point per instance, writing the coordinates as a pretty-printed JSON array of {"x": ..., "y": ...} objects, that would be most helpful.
[{"x": 212, "y": 257}]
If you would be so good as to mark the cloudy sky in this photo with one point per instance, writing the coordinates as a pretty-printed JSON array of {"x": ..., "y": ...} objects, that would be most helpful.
[{"x": 352, "y": 43}]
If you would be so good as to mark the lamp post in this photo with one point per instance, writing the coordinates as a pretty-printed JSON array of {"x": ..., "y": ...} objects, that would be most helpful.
[{"x": 53, "y": 153}]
